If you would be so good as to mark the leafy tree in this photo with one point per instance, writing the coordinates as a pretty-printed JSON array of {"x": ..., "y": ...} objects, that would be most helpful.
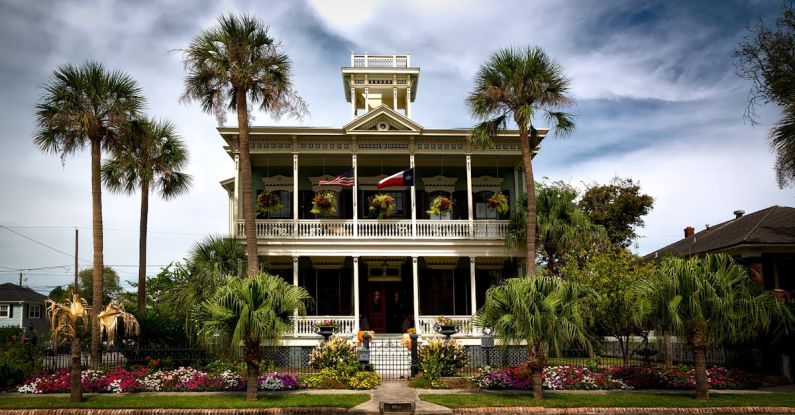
[
  {"x": 520, "y": 85},
  {"x": 709, "y": 301},
  {"x": 150, "y": 156},
  {"x": 111, "y": 287},
  {"x": 229, "y": 67},
  {"x": 619, "y": 207},
  {"x": 766, "y": 57},
  {"x": 561, "y": 227},
  {"x": 81, "y": 106},
  {"x": 611, "y": 272},
  {"x": 248, "y": 312},
  {"x": 544, "y": 311}
]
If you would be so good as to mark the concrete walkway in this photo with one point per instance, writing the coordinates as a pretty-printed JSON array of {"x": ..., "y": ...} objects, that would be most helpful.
[{"x": 397, "y": 392}]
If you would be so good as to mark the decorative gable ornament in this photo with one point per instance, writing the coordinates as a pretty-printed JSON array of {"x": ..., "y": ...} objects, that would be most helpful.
[
  {"x": 439, "y": 184},
  {"x": 277, "y": 183},
  {"x": 486, "y": 184}
]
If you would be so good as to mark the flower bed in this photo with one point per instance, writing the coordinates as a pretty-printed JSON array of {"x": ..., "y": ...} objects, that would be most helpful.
[
  {"x": 606, "y": 378},
  {"x": 183, "y": 379}
]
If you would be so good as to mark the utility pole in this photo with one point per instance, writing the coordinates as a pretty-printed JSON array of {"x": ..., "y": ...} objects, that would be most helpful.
[
  {"x": 75, "y": 289},
  {"x": 20, "y": 279}
]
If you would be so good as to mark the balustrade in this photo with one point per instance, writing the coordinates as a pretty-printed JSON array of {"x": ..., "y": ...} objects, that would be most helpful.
[
  {"x": 305, "y": 325},
  {"x": 376, "y": 229},
  {"x": 468, "y": 328}
]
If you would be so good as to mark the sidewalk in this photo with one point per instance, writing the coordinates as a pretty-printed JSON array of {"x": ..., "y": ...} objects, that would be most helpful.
[{"x": 397, "y": 392}]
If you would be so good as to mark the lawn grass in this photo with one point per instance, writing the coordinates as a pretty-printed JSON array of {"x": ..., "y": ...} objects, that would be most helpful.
[
  {"x": 629, "y": 400},
  {"x": 186, "y": 401}
]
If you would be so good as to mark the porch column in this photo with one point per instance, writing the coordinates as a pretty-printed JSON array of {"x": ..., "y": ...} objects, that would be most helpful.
[
  {"x": 295, "y": 283},
  {"x": 236, "y": 198},
  {"x": 472, "y": 285},
  {"x": 353, "y": 102},
  {"x": 356, "y": 295},
  {"x": 394, "y": 98},
  {"x": 416, "y": 292},
  {"x": 366, "y": 96},
  {"x": 408, "y": 99},
  {"x": 516, "y": 188},
  {"x": 469, "y": 198},
  {"x": 413, "y": 199},
  {"x": 295, "y": 195},
  {"x": 355, "y": 200}
]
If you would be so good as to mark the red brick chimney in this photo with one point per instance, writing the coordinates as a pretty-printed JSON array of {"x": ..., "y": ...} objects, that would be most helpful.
[{"x": 689, "y": 231}]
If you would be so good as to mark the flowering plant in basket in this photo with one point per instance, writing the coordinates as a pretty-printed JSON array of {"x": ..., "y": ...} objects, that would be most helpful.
[
  {"x": 499, "y": 203},
  {"x": 268, "y": 202},
  {"x": 381, "y": 205},
  {"x": 441, "y": 205},
  {"x": 325, "y": 323},
  {"x": 323, "y": 204}
]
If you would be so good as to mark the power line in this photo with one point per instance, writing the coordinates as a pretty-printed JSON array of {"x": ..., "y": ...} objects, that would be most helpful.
[
  {"x": 9, "y": 269},
  {"x": 42, "y": 243},
  {"x": 107, "y": 229}
]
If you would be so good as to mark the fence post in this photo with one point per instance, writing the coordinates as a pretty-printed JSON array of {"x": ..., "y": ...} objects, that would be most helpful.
[{"x": 415, "y": 362}]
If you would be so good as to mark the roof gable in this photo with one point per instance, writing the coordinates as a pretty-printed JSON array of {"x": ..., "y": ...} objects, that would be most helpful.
[
  {"x": 14, "y": 293},
  {"x": 382, "y": 119}
]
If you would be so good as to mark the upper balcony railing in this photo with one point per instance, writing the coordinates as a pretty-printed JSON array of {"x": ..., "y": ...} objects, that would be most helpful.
[
  {"x": 376, "y": 229},
  {"x": 379, "y": 61}
]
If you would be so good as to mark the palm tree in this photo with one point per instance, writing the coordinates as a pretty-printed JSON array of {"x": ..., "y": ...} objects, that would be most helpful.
[
  {"x": 231, "y": 66},
  {"x": 150, "y": 157},
  {"x": 69, "y": 321},
  {"x": 708, "y": 301},
  {"x": 542, "y": 310},
  {"x": 248, "y": 312},
  {"x": 782, "y": 142},
  {"x": 520, "y": 84},
  {"x": 83, "y": 106}
]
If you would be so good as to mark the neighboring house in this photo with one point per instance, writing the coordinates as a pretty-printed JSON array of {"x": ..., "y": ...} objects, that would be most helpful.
[
  {"x": 763, "y": 241},
  {"x": 409, "y": 267},
  {"x": 22, "y": 307}
]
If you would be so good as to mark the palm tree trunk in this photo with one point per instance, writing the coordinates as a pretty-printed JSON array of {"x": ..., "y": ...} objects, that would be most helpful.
[
  {"x": 245, "y": 183},
  {"x": 700, "y": 360},
  {"x": 99, "y": 266},
  {"x": 252, "y": 363},
  {"x": 530, "y": 189},
  {"x": 142, "y": 246},
  {"x": 668, "y": 350},
  {"x": 536, "y": 362},
  {"x": 75, "y": 387}
]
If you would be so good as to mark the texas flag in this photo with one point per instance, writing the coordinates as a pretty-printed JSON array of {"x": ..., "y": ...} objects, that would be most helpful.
[{"x": 403, "y": 178}]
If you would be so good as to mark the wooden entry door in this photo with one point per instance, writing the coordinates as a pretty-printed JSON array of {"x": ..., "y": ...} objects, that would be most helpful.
[{"x": 376, "y": 306}]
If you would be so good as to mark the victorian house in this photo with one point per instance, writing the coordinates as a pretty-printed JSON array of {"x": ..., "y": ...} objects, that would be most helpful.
[{"x": 425, "y": 242}]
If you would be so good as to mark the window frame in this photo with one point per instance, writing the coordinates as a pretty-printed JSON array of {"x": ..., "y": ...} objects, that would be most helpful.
[
  {"x": 36, "y": 307},
  {"x": 7, "y": 308}
]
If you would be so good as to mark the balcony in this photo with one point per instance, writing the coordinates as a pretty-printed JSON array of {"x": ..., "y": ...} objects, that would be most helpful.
[
  {"x": 377, "y": 229},
  {"x": 379, "y": 61},
  {"x": 346, "y": 325}
]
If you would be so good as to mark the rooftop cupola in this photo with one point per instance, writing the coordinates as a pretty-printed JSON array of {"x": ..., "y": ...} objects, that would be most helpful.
[{"x": 373, "y": 80}]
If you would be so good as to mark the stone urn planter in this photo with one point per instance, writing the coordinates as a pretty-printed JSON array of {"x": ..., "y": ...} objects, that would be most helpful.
[
  {"x": 325, "y": 329},
  {"x": 446, "y": 327}
]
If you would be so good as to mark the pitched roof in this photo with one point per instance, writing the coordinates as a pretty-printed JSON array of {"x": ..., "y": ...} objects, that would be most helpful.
[
  {"x": 15, "y": 293},
  {"x": 771, "y": 226}
]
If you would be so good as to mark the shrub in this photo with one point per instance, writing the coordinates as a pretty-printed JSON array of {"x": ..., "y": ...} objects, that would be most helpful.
[
  {"x": 16, "y": 362},
  {"x": 365, "y": 380},
  {"x": 579, "y": 378},
  {"x": 441, "y": 358},
  {"x": 325, "y": 379},
  {"x": 278, "y": 382},
  {"x": 336, "y": 354}
]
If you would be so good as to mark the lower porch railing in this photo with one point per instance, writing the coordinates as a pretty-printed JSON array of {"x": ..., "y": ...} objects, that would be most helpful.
[
  {"x": 305, "y": 325},
  {"x": 468, "y": 327}
]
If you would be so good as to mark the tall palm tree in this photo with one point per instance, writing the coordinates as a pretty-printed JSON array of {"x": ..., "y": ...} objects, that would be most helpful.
[
  {"x": 69, "y": 321},
  {"x": 709, "y": 301},
  {"x": 782, "y": 142},
  {"x": 150, "y": 157},
  {"x": 520, "y": 85},
  {"x": 229, "y": 67},
  {"x": 86, "y": 105},
  {"x": 542, "y": 310},
  {"x": 249, "y": 312}
]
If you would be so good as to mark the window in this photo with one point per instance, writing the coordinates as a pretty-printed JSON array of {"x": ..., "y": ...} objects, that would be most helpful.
[
  {"x": 285, "y": 200},
  {"x": 5, "y": 310},
  {"x": 482, "y": 210},
  {"x": 34, "y": 311}
]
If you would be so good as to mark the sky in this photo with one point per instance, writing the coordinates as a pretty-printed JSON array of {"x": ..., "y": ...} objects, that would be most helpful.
[{"x": 657, "y": 97}]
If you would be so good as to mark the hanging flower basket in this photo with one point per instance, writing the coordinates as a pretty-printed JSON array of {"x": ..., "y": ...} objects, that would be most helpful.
[
  {"x": 323, "y": 204},
  {"x": 268, "y": 202},
  {"x": 381, "y": 206},
  {"x": 499, "y": 203},
  {"x": 441, "y": 205}
]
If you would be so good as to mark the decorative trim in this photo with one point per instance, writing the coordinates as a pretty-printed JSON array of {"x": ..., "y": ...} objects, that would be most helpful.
[
  {"x": 278, "y": 182},
  {"x": 439, "y": 183},
  {"x": 441, "y": 262},
  {"x": 327, "y": 262},
  {"x": 486, "y": 184}
]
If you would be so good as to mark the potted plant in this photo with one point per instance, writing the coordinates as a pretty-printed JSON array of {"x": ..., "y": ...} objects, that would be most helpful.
[
  {"x": 406, "y": 340},
  {"x": 360, "y": 336},
  {"x": 325, "y": 328},
  {"x": 381, "y": 206},
  {"x": 268, "y": 202},
  {"x": 447, "y": 326},
  {"x": 441, "y": 206},
  {"x": 324, "y": 204},
  {"x": 499, "y": 203}
]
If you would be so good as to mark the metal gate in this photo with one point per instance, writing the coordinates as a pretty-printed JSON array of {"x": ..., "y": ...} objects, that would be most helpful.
[{"x": 390, "y": 357}]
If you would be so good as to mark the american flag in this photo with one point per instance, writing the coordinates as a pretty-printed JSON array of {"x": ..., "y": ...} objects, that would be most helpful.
[{"x": 344, "y": 179}]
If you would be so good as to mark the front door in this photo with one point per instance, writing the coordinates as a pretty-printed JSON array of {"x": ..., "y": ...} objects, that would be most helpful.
[{"x": 376, "y": 306}]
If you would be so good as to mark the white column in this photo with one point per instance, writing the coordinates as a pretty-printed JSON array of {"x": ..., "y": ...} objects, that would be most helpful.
[
  {"x": 472, "y": 285},
  {"x": 469, "y": 198},
  {"x": 356, "y": 311},
  {"x": 416, "y": 292},
  {"x": 236, "y": 198},
  {"x": 394, "y": 98},
  {"x": 295, "y": 195},
  {"x": 353, "y": 102},
  {"x": 408, "y": 100},
  {"x": 516, "y": 188},
  {"x": 355, "y": 199},
  {"x": 295, "y": 283},
  {"x": 413, "y": 199},
  {"x": 366, "y": 97}
]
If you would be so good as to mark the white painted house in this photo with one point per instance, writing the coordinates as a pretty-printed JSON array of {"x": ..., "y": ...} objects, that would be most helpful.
[
  {"x": 22, "y": 307},
  {"x": 409, "y": 267}
]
